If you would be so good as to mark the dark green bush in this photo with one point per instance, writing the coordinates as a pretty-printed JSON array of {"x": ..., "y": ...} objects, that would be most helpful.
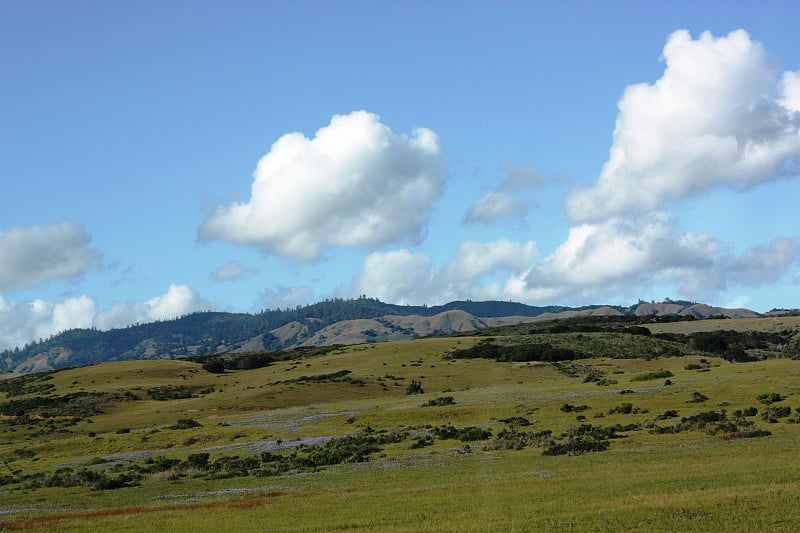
[
  {"x": 443, "y": 400},
  {"x": 415, "y": 387},
  {"x": 569, "y": 408},
  {"x": 658, "y": 374},
  {"x": 770, "y": 397},
  {"x": 170, "y": 392},
  {"x": 198, "y": 460},
  {"x": 516, "y": 421},
  {"x": 697, "y": 397},
  {"x": 773, "y": 413},
  {"x": 186, "y": 423},
  {"x": 472, "y": 433},
  {"x": 577, "y": 446}
]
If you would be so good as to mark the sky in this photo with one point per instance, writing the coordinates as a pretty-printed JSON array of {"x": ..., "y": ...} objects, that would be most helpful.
[{"x": 161, "y": 158}]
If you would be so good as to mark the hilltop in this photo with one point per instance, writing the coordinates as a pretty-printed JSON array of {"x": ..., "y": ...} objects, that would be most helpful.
[{"x": 333, "y": 321}]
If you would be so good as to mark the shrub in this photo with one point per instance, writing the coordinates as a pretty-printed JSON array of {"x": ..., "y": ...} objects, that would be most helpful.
[
  {"x": 466, "y": 434},
  {"x": 626, "y": 408},
  {"x": 516, "y": 440},
  {"x": 421, "y": 442},
  {"x": 577, "y": 446},
  {"x": 198, "y": 460},
  {"x": 442, "y": 400},
  {"x": 746, "y": 434},
  {"x": 770, "y": 398},
  {"x": 671, "y": 413},
  {"x": 697, "y": 398},
  {"x": 658, "y": 374},
  {"x": 215, "y": 366},
  {"x": 516, "y": 421},
  {"x": 415, "y": 387},
  {"x": 772, "y": 414},
  {"x": 169, "y": 392},
  {"x": 186, "y": 423},
  {"x": 160, "y": 464},
  {"x": 568, "y": 408},
  {"x": 473, "y": 433}
]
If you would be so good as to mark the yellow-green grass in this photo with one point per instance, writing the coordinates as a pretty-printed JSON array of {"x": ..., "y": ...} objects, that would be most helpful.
[
  {"x": 770, "y": 323},
  {"x": 643, "y": 482}
]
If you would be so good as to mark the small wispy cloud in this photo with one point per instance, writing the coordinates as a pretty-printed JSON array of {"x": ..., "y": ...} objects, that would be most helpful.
[
  {"x": 508, "y": 200},
  {"x": 231, "y": 271}
]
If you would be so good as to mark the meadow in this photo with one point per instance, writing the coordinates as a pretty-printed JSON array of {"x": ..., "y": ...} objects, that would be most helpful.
[{"x": 645, "y": 434}]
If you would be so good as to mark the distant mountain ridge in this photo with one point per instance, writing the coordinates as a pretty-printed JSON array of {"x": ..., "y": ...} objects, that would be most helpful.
[{"x": 333, "y": 321}]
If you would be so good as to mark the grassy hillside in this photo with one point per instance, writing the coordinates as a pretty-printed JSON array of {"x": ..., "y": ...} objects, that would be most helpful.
[{"x": 413, "y": 435}]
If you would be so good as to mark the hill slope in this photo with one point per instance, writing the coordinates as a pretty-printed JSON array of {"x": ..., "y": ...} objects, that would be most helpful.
[
  {"x": 503, "y": 430},
  {"x": 335, "y": 321}
]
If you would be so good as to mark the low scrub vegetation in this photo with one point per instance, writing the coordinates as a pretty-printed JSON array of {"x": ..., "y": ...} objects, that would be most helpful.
[{"x": 649, "y": 376}]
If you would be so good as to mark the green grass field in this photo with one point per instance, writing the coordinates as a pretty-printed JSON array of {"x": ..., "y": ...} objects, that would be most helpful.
[{"x": 701, "y": 477}]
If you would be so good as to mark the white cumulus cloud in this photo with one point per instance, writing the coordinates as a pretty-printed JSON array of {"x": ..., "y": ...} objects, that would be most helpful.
[
  {"x": 398, "y": 276},
  {"x": 477, "y": 270},
  {"x": 32, "y": 254},
  {"x": 616, "y": 258},
  {"x": 23, "y": 322},
  {"x": 355, "y": 183},
  {"x": 601, "y": 259},
  {"x": 719, "y": 116},
  {"x": 28, "y": 321},
  {"x": 621, "y": 255},
  {"x": 179, "y": 300}
]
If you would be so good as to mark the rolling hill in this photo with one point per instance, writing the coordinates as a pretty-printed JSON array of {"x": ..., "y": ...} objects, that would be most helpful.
[
  {"x": 334, "y": 321},
  {"x": 590, "y": 423}
]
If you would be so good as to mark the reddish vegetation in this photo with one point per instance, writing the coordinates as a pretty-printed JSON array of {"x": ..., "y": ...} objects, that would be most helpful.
[{"x": 255, "y": 500}]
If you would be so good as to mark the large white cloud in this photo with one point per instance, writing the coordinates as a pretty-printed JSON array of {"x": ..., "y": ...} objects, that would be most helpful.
[
  {"x": 179, "y": 300},
  {"x": 624, "y": 255},
  {"x": 32, "y": 254},
  {"x": 719, "y": 116},
  {"x": 356, "y": 183},
  {"x": 29, "y": 321},
  {"x": 398, "y": 276},
  {"x": 24, "y": 322},
  {"x": 620, "y": 257},
  {"x": 477, "y": 271},
  {"x": 603, "y": 259}
]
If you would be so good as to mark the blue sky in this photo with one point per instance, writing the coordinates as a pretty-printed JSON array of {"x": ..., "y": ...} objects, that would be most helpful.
[{"x": 163, "y": 157}]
